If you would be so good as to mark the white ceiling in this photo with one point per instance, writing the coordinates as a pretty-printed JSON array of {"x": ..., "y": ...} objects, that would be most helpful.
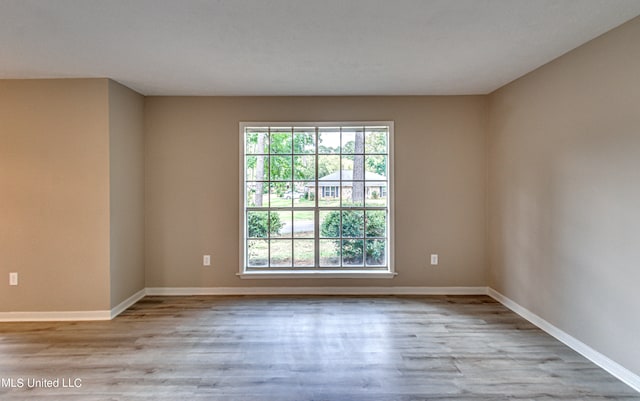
[{"x": 298, "y": 47}]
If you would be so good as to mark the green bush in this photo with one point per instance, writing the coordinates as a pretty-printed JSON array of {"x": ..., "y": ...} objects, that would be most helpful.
[
  {"x": 308, "y": 196},
  {"x": 352, "y": 227},
  {"x": 258, "y": 224},
  {"x": 376, "y": 223},
  {"x": 375, "y": 252}
]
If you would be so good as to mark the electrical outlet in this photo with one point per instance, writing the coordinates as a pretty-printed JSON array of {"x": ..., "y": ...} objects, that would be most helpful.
[
  {"x": 13, "y": 278},
  {"x": 206, "y": 260},
  {"x": 434, "y": 259}
]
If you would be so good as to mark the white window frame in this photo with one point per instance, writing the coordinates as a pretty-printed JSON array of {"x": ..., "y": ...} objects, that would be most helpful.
[{"x": 342, "y": 272}]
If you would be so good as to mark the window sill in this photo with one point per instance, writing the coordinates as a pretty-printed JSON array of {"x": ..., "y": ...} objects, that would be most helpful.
[{"x": 316, "y": 274}]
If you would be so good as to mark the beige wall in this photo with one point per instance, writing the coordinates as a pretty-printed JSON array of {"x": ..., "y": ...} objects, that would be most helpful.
[
  {"x": 54, "y": 195},
  {"x": 126, "y": 158},
  {"x": 565, "y": 193},
  {"x": 192, "y": 184}
]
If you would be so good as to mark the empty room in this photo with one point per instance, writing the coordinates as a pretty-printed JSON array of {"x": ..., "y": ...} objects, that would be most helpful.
[{"x": 300, "y": 200}]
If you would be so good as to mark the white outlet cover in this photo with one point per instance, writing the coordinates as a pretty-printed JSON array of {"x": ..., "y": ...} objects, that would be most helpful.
[
  {"x": 434, "y": 259},
  {"x": 206, "y": 260},
  {"x": 13, "y": 278}
]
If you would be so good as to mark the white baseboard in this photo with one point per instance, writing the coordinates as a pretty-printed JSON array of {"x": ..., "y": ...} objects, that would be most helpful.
[
  {"x": 317, "y": 291},
  {"x": 115, "y": 311},
  {"x": 124, "y": 305},
  {"x": 614, "y": 368},
  {"x": 54, "y": 316},
  {"x": 72, "y": 315}
]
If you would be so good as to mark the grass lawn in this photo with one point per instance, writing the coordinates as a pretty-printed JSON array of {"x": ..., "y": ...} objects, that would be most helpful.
[{"x": 303, "y": 251}]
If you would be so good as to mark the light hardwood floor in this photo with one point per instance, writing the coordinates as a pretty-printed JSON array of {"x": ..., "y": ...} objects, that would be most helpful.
[{"x": 303, "y": 348}]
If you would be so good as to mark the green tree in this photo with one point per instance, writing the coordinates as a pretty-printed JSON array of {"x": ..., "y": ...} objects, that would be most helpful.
[
  {"x": 377, "y": 164},
  {"x": 355, "y": 147},
  {"x": 357, "y": 193},
  {"x": 376, "y": 142},
  {"x": 328, "y": 165},
  {"x": 280, "y": 166},
  {"x": 259, "y": 172}
]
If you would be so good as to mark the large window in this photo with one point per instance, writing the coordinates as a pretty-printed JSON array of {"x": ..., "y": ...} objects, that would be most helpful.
[{"x": 316, "y": 198}]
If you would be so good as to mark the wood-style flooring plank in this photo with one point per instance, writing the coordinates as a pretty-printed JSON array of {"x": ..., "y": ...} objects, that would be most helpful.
[{"x": 302, "y": 348}]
